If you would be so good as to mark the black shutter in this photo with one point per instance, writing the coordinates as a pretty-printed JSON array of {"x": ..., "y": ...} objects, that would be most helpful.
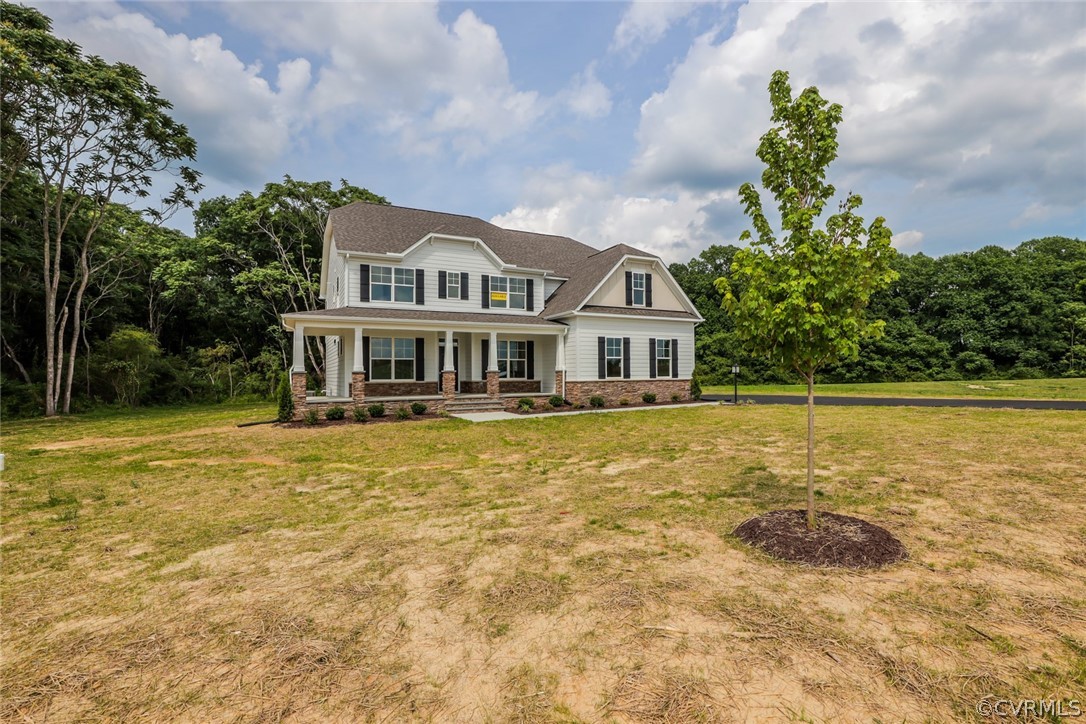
[
  {"x": 442, "y": 288},
  {"x": 602, "y": 355},
  {"x": 648, "y": 290},
  {"x": 366, "y": 355},
  {"x": 364, "y": 282},
  {"x": 530, "y": 303},
  {"x": 674, "y": 358},
  {"x": 420, "y": 286},
  {"x": 652, "y": 357},
  {"x": 626, "y": 357},
  {"x": 486, "y": 291},
  {"x": 531, "y": 358},
  {"x": 485, "y": 351},
  {"x": 464, "y": 286},
  {"x": 629, "y": 289},
  {"x": 420, "y": 359}
]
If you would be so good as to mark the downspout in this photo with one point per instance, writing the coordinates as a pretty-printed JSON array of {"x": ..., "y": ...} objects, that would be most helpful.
[{"x": 565, "y": 367}]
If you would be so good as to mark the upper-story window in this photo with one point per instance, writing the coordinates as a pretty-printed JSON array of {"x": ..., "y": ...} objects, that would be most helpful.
[
  {"x": 638, "y": 288},
  {"x": 452, "y": 285},
  {"x": 508, "y": 293},
  {"x": 392, "y": 284}
]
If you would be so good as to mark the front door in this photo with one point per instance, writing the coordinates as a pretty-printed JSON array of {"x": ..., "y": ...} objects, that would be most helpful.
[{"x": 456, "y": 359}]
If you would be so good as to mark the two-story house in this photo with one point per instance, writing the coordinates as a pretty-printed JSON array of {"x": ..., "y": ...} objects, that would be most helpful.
[{"x": 460, "y": 314}]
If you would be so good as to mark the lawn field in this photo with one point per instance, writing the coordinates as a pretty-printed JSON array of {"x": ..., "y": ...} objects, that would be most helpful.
[
  {"x": 1070, "y": 388},
  {"x": 166, "y": 565}
]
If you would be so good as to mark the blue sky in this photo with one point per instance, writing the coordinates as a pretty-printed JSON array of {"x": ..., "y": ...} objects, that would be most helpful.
[{"x": 965, "y": 124}]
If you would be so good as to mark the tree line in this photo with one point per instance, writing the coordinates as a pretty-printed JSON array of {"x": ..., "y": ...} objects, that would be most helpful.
[
  {"x": 102, "y": 303},
  {"x": 1016, "y": 313}
]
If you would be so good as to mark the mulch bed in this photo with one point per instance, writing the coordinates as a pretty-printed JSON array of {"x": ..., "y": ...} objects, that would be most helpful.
[
  {"x": 389, "y": 417},
  {"x": 839, "y": 540}
]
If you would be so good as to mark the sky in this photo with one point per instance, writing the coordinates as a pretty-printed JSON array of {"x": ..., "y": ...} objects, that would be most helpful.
[{"x": 964, "y": 123}]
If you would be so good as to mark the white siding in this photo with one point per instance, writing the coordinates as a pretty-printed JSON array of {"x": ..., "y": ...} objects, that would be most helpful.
[
  {"x": 451, "y": 257},
  {"x": 612, "y": 293},
  {"x": 331, "y": 366},
  {"x": 582, "y": 349}
]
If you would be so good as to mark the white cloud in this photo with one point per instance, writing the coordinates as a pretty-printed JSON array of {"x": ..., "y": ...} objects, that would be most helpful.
[
  {"x": 240, "y": 121},
  {"x": 907, "y": 240},
  {"x": 588, "y": 97},
  {"x": 646, "y": 21},
  {"x": 587, "y": 207},
  {"x": 398, "y": 65},
  {"x": 958, "y": 97}
]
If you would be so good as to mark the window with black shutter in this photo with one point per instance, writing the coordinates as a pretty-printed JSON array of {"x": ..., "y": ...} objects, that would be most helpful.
[
  {"x": 363, "y": 282},
  {"x": 442, "y": 283},
  {"x": 485, "y": 279},
  {"x": 626, "y": 357},
  {"x": 420, "y": 286},
  {"x": 652, "y": 357},
  {"x": 674, "y": 358},
  {"x": 464, "y": 286}
]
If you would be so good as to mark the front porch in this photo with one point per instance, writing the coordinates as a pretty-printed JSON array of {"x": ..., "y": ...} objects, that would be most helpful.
[{"x": 450, "y": 368}]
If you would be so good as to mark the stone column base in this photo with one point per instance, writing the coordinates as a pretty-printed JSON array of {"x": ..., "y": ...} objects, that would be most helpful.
[
  {"x": 448, "y": 384},
  {"x": 297, "y": 389},
  {"x": 559, "y": 379},
  {"x": 358, "y": 387},
  {"x": 493, "y": 385}
]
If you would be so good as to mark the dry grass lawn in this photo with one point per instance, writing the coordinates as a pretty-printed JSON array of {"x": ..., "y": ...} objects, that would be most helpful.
[{"x": 167, "y": 565}]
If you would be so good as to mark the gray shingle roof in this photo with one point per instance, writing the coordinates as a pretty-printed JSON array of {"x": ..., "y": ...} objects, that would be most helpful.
[{"x": 381, "y": 229}]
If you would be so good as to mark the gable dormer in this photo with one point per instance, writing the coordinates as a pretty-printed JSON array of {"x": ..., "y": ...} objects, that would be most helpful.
[{"x": 639, "y": 282}]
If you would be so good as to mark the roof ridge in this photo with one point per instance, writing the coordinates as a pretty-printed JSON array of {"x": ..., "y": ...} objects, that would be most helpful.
[{"x": 415, "y": 208}]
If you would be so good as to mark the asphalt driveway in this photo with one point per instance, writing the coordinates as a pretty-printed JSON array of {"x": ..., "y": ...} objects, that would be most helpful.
[{"x": 905, "y": 401}]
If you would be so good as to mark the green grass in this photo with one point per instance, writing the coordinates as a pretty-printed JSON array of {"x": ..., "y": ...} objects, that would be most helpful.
[
  {"x": 165, "y": 564},
  {"x": 1070, "y": 388}
]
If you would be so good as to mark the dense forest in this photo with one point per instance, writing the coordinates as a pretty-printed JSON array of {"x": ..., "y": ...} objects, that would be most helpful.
[
  {"x": 102, "y": 303},
  {"x": 987, "y": 313}
]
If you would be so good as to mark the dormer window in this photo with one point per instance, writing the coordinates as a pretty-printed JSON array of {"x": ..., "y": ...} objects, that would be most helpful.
[
  {"x": 452, "y": 285},
  {"x": 637, "y": 284}
]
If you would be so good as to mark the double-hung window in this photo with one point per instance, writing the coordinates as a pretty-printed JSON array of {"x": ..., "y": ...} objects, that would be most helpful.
[
  {"x": 392, "y": 358},
  {"x": 392, "y": 284},
  {"x": 663, "y": 358},
  {"x": 508, "y": 293},
  {"x": 452, "y": 285},
  {"x": 614, "y": 357},
  {"x": 637, "y": 282},
  {"x": 513, "y": 360}
]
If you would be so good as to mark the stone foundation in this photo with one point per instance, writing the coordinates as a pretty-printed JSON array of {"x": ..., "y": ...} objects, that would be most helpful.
[
  {"x": 511, "y": 403},
  {"x": 614, "y": 390},
  {"x": 493, "y": 383},
  {"x": 472, "y": 387},
  {"x": 401, "y": 389},
  {"x": 297, "y": 390},
  {"x": 358, "y": 387},
  {"x": 514, "y": 387},
  {"x": 448, "y": 384}
]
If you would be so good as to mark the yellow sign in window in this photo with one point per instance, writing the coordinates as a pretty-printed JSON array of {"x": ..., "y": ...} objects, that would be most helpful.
[{"x": 499, "y": 296}]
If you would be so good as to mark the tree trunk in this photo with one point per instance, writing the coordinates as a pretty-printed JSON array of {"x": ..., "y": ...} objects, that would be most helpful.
[{"x": 811, "y": 523}]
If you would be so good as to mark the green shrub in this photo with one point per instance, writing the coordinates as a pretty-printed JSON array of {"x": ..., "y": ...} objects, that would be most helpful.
[
  {"x": 419, "y": 408},
  {"x": 526, "y": 403},
  {"x": 624, "y": 401},
  {"x": 334, "y": 413},
  {"x": 377, "y": 410},
  {"x": 579, "y": 406},
  {"x": 556, "y": 401},
  {"x": 648, "y": 398},
  {"x": 676, "y": 397},
  {"x": 285, "y": 397},
  {"x": 402, "y": 413},
  {"x": 596, "y": 401},
  {"x": 360, "y": 414},
  {"x": 695, "y": 389},
  {"x": 310, "y": 417}
]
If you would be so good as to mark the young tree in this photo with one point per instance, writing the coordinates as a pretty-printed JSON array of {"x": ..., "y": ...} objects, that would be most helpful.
[
  {"x": 91, "y": 133},
  {"x": 802, "y": 296}
]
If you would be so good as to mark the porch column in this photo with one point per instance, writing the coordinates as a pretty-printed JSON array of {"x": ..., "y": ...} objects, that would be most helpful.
[
  {"x": 560, "y": 365},
  {"x": 297, "y": 372},
  {"x": 299, "y": 348},
  {"x": 493, "y": 385},
  {"x": 358, "y": 370},
  {"x": 448, "y": 369}
]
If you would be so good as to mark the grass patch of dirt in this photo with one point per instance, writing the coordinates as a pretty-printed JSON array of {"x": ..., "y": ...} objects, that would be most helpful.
[{"x": 579, "y": 568}]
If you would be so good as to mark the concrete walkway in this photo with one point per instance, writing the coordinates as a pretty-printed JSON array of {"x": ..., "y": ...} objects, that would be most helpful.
[{"x": 492, "y": 416}]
